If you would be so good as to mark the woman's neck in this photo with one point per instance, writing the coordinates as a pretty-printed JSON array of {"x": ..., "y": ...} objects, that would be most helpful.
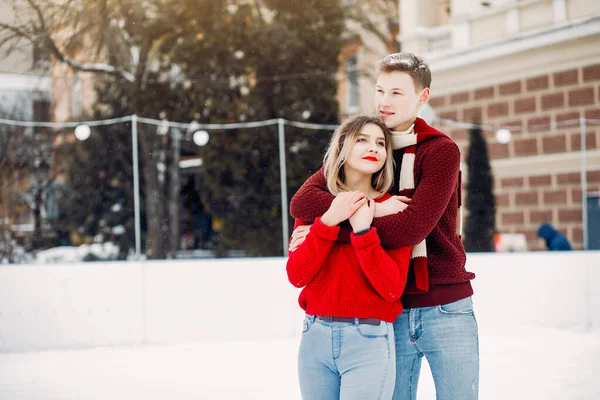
[{"x": 360, "y": 182}]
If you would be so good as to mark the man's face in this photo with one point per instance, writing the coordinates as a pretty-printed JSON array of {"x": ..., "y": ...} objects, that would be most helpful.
[{"x": 397, "y": 100}]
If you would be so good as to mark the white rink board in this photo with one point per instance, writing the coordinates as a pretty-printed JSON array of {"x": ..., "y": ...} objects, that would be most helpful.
[{"x": 73, "y": 306}]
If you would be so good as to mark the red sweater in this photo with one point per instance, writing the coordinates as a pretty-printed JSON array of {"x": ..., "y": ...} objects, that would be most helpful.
[
  {"x": 357, "y": 279},
  {"x": 431, "y": 214}
]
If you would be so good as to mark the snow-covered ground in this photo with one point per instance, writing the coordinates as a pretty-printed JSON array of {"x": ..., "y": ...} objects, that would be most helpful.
[{"x": 525, "y": 364}]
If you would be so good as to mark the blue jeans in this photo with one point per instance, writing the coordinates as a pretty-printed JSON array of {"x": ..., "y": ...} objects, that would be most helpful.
[
  {"x": 447, "y": 336},
  {"x": 343, "y": 360}
]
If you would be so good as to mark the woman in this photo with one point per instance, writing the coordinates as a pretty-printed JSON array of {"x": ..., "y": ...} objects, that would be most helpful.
[{"x": 351, "y": 289}]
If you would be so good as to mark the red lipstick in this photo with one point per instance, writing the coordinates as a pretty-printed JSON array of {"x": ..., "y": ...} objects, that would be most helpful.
[{"x": 370, "y": 158}]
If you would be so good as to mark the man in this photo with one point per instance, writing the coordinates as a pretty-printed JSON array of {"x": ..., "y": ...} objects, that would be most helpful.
[{"x": 439, "y": 323}]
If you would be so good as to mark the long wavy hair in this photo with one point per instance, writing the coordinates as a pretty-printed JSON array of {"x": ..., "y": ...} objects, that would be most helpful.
[{"x": 344, "y": 137}]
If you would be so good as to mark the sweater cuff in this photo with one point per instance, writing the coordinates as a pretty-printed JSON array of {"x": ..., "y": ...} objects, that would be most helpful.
[
  {"x": 367, "y": 239},
  {"x": 325, "y": 231}
]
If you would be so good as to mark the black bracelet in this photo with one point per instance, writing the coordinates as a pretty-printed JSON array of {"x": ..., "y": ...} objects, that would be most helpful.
[{"x": 362, "y": 232}]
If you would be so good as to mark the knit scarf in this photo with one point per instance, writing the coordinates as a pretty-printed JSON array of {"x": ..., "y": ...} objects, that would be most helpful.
[{"x": 409, "y": 140}]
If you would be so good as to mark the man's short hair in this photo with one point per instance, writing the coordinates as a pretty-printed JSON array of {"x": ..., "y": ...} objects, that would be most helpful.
[{"x": 412, "y": 64}]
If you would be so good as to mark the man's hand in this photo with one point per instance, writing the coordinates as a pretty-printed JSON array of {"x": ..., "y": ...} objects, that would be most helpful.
[
  {"x": 298, "y": 236},
  {"x": 393, "y": 205},
  {"x": 363, "y": 217},
  {"x": 343, "y": 206}
]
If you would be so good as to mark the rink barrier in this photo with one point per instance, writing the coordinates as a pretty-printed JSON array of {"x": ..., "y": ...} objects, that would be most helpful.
[{"x": 45, "y": 307}]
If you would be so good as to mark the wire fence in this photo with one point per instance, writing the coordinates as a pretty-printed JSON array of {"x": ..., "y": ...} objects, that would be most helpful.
[
  {"x": 195, "y": 168},
  {"x": 227, "y": 184}
]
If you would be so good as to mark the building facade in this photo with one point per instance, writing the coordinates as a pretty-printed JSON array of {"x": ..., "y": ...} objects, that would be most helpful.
[
  {"x": 370, "y": 34},
  {"x": 25, "y": 94},
  {"x": 533, "y": 67}
]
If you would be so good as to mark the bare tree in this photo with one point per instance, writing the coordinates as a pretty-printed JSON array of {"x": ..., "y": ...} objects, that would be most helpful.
[
  {"x": 377, "y": 19},
  {"x": 28, "y": 172},
  {"x": 120, "y": 38}
]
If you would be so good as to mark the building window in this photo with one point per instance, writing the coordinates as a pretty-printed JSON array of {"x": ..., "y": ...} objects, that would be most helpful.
[
  {"x": 41, "y": 110},
  {"x": 40, "y": 57},
  {"x": 351, "y": 70},
  {"x": 76, "y": 97}
]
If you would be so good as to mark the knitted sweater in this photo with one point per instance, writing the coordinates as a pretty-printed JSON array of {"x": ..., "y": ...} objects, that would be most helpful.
[
  {"x": 357, "y": 279},
  {"x": 431, "y": 215}
]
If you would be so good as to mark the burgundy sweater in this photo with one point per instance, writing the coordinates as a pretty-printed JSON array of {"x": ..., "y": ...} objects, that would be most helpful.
[{"x": 431, "y": 215}]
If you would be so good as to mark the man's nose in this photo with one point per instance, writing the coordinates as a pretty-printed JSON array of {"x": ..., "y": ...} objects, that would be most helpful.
[{"x": 384, "y": 101}]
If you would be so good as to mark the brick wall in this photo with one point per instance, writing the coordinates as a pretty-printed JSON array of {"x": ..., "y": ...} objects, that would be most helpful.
[{"x": 542, "y": 113}]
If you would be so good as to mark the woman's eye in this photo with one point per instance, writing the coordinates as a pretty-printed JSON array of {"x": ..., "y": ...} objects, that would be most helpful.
[{"x": 361, "y": 140}]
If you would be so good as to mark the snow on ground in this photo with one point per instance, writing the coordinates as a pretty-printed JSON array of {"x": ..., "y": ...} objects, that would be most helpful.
[{"x": 525, "y": 364}]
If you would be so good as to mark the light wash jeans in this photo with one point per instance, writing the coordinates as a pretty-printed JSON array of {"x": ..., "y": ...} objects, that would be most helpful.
[
  {"x": 447, "y": 336},
  {"x": 343, "y": 360}
]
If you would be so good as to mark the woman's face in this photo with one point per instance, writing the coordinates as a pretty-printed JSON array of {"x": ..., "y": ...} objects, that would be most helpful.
[{"x": 368, "y": 154}]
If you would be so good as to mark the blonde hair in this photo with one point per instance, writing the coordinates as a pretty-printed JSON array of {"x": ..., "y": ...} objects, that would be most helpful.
[{"x": 344, "y": 137}]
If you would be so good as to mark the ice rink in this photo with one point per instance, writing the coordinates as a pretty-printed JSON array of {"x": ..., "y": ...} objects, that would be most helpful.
[
  {"x": 528, "y": 364},
  {"x": 230, "y": 329}
]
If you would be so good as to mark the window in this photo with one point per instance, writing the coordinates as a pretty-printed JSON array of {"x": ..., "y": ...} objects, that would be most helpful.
[
  {"x": 76, "y": 97},
  {"x": 351, "y": 84},
  {"x": 41, "y": 110},
  {"x": 41, "y": 57}
]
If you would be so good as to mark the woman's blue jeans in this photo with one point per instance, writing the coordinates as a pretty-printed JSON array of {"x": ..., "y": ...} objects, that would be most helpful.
[
  {"x": 344, "y": 360},
  {"x": 447, "y": 336}
]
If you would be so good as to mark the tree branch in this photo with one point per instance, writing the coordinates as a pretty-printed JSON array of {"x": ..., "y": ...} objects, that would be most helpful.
[
  {"x": 38, "y": 11},
  {"x": 45, "y": 41}
]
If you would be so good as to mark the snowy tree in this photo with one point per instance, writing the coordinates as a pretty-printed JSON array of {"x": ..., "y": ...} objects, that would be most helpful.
[
  {"x": 213, "y": 62},
  {"x": 27, "y": 178},
  {"x": 119, "y": 39},
  {"x": 278, "y": 61}
]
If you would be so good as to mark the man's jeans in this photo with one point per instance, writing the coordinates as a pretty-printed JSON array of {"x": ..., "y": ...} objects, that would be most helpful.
[
  {"x": 343, "y": 360},
  {"x": 447, "y": 336}
]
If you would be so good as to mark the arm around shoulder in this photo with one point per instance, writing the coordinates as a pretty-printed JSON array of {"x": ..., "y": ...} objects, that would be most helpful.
[
  {"x": 439, "y": 169},
  {"x": 312, "y": 199}
]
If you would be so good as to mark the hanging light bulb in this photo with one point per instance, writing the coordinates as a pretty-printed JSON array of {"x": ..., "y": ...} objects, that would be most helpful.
[
  {"x": 82, "y": 132},
  {"x": 201, "y": 138},
  {"x": 503, "y": 135}
]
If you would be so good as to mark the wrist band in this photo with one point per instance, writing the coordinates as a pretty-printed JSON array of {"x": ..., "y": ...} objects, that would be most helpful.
[{"x": 362, "y": 232}]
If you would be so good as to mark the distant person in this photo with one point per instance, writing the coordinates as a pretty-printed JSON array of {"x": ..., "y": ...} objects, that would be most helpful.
[
  {"x": 555, "y": 241},
  {"x": 202, "y": 222}
]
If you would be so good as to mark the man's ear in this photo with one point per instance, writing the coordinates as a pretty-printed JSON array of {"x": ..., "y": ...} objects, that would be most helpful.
[{"x": 424, "y": 96}]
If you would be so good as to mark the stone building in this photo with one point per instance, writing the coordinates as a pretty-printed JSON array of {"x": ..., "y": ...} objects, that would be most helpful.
[{"x": 533, "y": 67}]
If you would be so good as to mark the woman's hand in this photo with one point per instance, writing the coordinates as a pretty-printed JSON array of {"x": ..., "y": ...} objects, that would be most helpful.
[
  {"x": 343, "y": 206},
  {"x": 393, "y": 205},
  {"x": 363, "y": 217}
]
